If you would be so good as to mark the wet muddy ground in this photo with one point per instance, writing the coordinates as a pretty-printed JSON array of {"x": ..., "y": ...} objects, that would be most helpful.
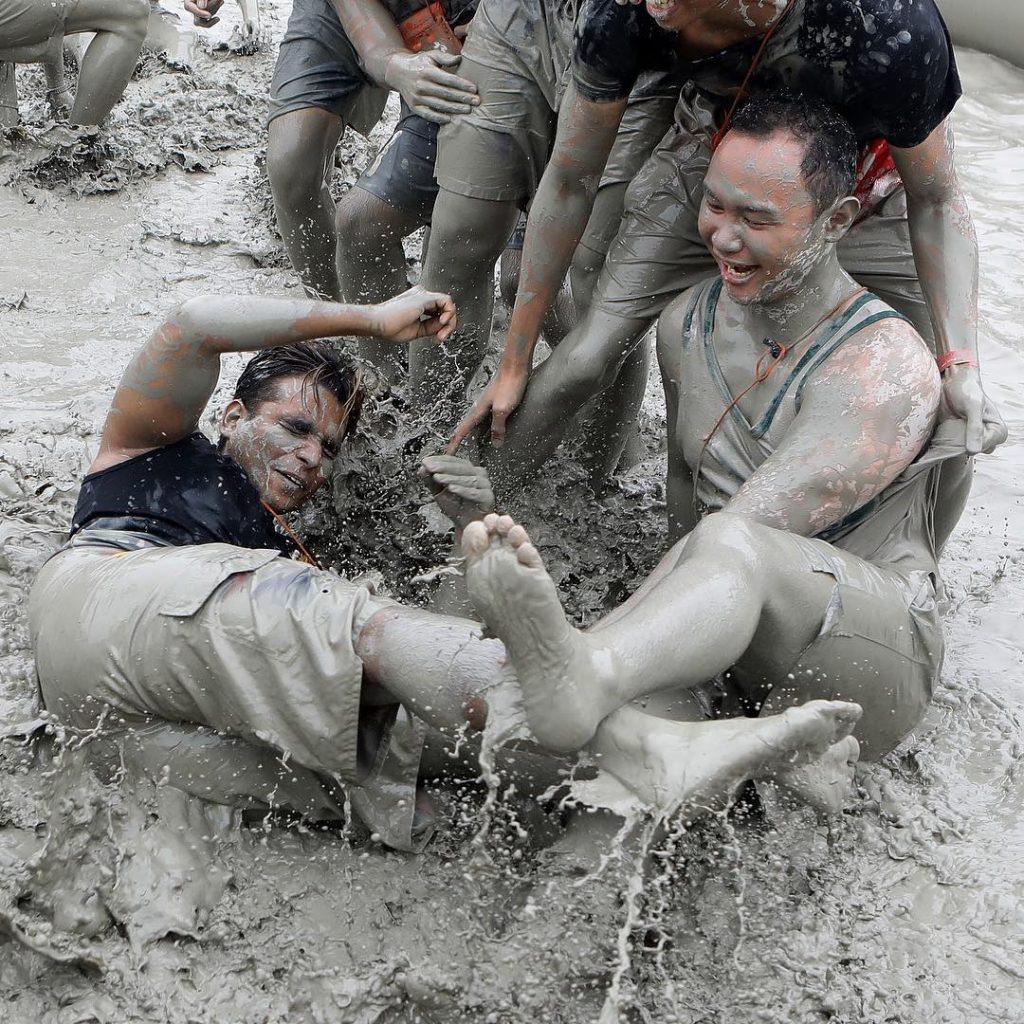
[{"x": 909, "y": 910}]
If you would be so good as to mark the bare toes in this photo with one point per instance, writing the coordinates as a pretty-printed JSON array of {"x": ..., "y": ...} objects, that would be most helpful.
[
  {"x": 529, "y": 556},
  {"x": 475, "y": 539},
  {"x": 490, "y": 522},
  {"x": 504, "y": 525},
  {"x": 518, "y": 535}
]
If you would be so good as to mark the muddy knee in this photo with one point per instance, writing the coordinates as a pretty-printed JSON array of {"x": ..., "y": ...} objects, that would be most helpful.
[{"x": 134, "y": 18}]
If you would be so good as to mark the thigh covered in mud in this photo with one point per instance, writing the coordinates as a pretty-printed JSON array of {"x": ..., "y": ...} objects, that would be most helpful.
[{"x": 880, "y": 645}]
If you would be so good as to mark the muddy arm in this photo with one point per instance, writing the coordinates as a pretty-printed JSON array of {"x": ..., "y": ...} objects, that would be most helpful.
[
  {"x": 946, "y": 253},
  {"x": 420, "y": 78},
  {"x": 168, "y": 383},
  {"x": 864, "y": 417},
  {"x": 558, "y": 218}
]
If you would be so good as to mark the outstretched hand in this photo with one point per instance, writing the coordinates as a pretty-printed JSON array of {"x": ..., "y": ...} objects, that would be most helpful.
[
  {"x": 499, "y": 399},
  {"x": 462, "y": 491},
  {"x": 965, "y": 398},
  {"x": 204, "y": 12},
  {"x": 414, "y": 314},
  {"x": 431, "y": 92}
]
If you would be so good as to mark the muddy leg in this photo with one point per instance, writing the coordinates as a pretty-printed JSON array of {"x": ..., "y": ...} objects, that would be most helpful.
[
  {"x": 58, "y": 96},
  {"x": 466, "y": 238},
  {"x": 584, "y": 366},
  {"x": 735, "y": 589},
  {"x": 120, "y": 27},
  {"x": 559, "y": 319},
  {"x": 371, "y": 263},
  {"x": 8, "y": 95},
  {"x": 300, "y": 158}
]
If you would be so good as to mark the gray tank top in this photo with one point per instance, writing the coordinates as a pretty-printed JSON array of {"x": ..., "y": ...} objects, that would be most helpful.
[{"x": 895, "y": 527}]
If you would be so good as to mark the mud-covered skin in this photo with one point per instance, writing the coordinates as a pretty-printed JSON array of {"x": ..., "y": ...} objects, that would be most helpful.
[
  {"x": 119, "y": 27},
  {"x": 942, "y": 238},
  {"x": 282, "y": 444},
  {"x": 302, "y": 142},
  {"x": 573, "y": 692}
]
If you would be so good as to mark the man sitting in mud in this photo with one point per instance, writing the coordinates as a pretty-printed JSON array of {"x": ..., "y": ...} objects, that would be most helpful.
[
  {"x": 32, "y": 31},
  {"x": 803, "y": 463},
  {"x": 173, "y": 607}
]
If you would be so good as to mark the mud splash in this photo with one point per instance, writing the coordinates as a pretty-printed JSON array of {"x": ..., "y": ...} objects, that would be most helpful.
[{"x": 909, "y": 910}]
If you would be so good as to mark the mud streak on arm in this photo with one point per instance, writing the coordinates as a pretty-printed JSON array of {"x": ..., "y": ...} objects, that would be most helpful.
[{"x": 864, "y": 417}]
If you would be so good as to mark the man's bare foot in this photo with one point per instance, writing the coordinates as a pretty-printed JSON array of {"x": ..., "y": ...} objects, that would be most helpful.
[
  {"x": 693, "y": 766},
  {"x": 825, "y": 784},
  {"x": 564, "y": 675}
]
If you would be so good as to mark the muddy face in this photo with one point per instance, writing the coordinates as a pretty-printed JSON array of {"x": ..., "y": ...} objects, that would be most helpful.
[
  {"x": 758, "y": 220},
  {"x": 286, "y": 444}
]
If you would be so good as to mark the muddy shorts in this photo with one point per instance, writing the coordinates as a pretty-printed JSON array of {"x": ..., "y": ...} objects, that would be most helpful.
[
  {"x": 30, "y": 28},
  {"x": 402, "y": 174},
  {"x": 244, "y": 642},
  {"x": 880, "y": 644},
  {"x": 317, "y": 66},
  {"x": 658, "y": 252}
]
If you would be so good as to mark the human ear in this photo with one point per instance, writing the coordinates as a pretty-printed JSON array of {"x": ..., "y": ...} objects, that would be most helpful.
[
  {"x": 841, "y": 218},
  {"x": 231, "y": 417}
]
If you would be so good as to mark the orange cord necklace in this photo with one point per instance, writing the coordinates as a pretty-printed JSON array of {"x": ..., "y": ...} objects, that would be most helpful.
[
  {"x": 740, "y": 96},
  {"x": 304, "y": 553},
  {"x": 776, "y": 351}
]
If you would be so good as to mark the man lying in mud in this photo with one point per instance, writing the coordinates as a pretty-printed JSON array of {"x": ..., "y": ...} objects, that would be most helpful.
[
  {"x": 803, "y": 459},
  {"x": 32, "y": 31},
  {"x": 173, "y": 607},
  {"x": 888, "y": 68}
]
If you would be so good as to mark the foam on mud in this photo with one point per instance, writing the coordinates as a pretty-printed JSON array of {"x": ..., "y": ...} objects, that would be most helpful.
[{"x": 909, "y": 909}]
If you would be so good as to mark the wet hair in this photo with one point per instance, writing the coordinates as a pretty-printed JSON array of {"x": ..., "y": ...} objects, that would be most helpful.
[
  {"x": 318, "y": 363},
  {"x": 829, "y": 166}
]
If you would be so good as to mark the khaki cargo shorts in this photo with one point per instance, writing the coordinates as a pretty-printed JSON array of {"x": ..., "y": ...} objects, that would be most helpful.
[{"x": 243, "y": 642}]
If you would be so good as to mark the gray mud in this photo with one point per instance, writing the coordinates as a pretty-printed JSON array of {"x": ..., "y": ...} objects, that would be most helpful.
[{"x": 909, "y": 910}]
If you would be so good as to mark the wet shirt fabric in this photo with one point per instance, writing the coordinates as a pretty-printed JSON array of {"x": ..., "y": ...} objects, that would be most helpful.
[
  {"x": 886, "y": 65},
  {"x": 183, "y": 493},
  {"x": 894, "y": 528}
]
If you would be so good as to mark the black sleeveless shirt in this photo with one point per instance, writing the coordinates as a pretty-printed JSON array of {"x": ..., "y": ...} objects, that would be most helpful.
[{"x": 183, "y": 493}]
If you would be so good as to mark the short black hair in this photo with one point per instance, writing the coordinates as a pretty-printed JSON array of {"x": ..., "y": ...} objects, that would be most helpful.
[
  {"x": 829, "y": 166},
  {"x": 319, "y": 363}
]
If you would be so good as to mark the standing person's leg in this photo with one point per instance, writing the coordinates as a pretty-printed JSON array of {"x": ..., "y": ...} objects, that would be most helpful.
[
  {"x": 656, "y": 254},
  {"x": 794, "y": 617},
  {"x": 489, "y": 163},
  {"x": 390, "y": 201},
  {"x": 318, "y": 85},
  {"x": 300, "y": 160},
  {"x": 111, "y": 57},
  {"x": 877, "y": 253},
  {"x": 483, "y": 182}
]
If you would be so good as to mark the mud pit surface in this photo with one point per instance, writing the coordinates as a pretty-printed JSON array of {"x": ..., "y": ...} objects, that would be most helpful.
[{"x": 910, "y": 910}]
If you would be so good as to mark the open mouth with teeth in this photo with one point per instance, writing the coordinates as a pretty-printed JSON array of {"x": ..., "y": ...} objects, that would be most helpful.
[
  {"x": 736, "y": 273},
  {"x": 291, "y": 480}
]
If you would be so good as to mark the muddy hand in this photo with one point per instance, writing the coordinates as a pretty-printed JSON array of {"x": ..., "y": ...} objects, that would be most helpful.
[
  {"x": 415, "y": 313},
  {"x": 204, "y": 12},
  {"x": 431, "y": 92},
  {"x": 499, "y": 400},
  {"x": 965, "y": 398},
  {"x": 462, "y": 491}
]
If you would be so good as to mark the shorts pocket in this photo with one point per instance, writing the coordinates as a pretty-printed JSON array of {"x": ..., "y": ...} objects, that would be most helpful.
[{"x": 203, "y": 570}]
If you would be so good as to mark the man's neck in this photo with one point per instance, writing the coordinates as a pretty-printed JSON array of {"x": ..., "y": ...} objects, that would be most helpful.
[
  {"x": 789, "y": 318},
  {"x": 714, "y": 25}
]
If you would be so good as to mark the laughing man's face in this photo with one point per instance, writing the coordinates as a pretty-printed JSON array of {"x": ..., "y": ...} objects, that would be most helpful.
[
  {"x": 287, "y": 444},
  {"x": 758, "y": 219}
]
